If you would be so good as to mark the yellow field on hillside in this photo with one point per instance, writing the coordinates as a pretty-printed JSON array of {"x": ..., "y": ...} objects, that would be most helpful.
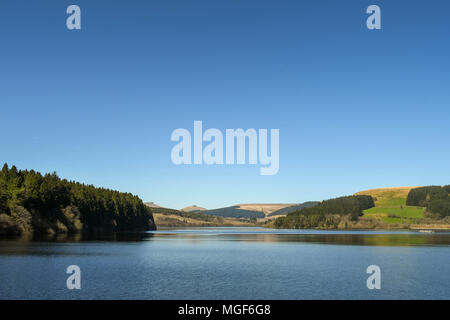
[{"x": 387, "y": 197}]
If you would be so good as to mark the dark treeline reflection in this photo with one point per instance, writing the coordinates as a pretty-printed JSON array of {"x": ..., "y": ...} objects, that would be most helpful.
[{"x": 79, "y": 237}]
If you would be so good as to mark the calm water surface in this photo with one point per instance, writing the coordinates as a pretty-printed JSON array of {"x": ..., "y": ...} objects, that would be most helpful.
[{"x": 229, "y": 263}]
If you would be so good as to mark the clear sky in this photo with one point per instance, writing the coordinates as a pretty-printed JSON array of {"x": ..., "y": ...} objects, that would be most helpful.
[{"x": 356, "y": 108}]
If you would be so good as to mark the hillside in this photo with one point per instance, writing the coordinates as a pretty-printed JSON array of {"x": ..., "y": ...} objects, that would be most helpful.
[
  {"x": 390, "y": 206},
  {"x": 293, "y": 208},
  {"x": 337, "y": 213},
  {"x": 386, "y": 209},
  {"x": 235, "y": 212},
  {"x": 247, "y": 214},
  {"x": 175, "y": 218},
  {"x": 393, "y": 196},
  {"x": 266, "y": 208},
  {"x": 258, "y": 210},
  {"x": 395, "y": 208}
]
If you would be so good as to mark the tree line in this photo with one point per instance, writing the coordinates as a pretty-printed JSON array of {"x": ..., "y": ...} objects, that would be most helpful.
[
  {"x": 435, "y": 198},
  {"x": 33, "y": 202},
  {"x": 326, "y": 214}
]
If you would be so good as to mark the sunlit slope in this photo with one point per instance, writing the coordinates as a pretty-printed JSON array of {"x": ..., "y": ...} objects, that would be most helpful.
[
  {"x": 385, "y": 197},
  {"x": 390, "y": 205}
]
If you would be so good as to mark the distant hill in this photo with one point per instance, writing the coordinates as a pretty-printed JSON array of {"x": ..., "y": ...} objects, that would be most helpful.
[
  {"x": 266, "y": 208},
  {"x": 193, "y": 208},
  {"x": 258, "y": 210},
  {"x": 390, "y": 212},
  {"x": 244, "y": 210},
  {"x": 235, "y": 212}
]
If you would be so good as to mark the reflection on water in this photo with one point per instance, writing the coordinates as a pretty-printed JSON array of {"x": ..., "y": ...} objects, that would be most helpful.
[
  {"x": 228, "y": 263},
  {"x": 364, "y": 238},
  {"x": 256, "y": 234}
]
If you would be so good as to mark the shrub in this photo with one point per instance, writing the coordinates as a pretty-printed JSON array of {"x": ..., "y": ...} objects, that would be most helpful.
[
  {"x": 71, "y": 218},
  {"x": 22, "y": 219}
]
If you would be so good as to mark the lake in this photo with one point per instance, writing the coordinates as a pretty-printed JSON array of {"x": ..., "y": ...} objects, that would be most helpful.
[{"x": 229, "y": 263}]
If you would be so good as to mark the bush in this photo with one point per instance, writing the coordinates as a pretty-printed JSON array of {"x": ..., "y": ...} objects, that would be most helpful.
[
  {"x": 22, "y": 219},
  {"x": 71, "y": 218}
]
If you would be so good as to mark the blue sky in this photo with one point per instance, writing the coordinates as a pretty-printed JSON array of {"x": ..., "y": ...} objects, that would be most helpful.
[{"x": 356, "y": 109}]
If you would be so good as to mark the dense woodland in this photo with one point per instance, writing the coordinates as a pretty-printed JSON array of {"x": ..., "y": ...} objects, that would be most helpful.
[
  {"x": 328, "y": 214},
  {"x": 435, "y": 198},
  {"x": 32, "y": 202}
]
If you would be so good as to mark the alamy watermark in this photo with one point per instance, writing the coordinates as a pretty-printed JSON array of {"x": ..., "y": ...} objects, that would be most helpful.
[
  {"x": 374, "y": 281},
  {"x": 74, "y": 280},
  {"x": 235, "y": 140},
  {"x": 73, "y": 21},
  {"x": 374, "y": 20}
]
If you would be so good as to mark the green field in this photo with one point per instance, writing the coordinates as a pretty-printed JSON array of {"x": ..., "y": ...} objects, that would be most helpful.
[
  {"x": 390, "y": 206},
  {"x": 395, "y": 214}
]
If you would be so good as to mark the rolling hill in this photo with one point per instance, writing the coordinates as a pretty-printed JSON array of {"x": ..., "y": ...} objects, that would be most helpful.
[
  {"x": 165, "y": 217},
  {"x": 239, "y": 211},
  {"x": 193, "y": 208},
  {"x": 258, "y": 210}
]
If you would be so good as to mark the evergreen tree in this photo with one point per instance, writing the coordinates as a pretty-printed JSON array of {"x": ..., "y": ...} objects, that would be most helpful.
[{"x": 30, "y": 201}]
